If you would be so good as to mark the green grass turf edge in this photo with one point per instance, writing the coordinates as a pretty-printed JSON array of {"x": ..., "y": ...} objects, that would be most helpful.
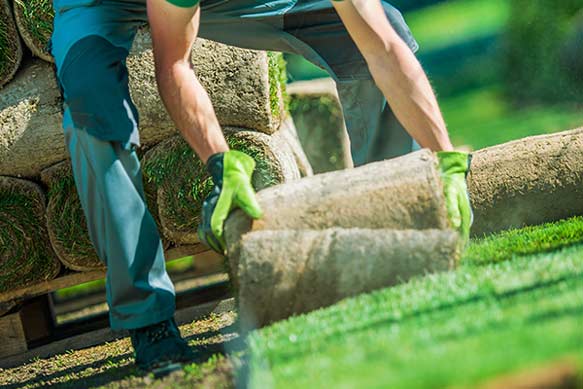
[
  {"x": 506, "y": 296},
  {"x": 529, "y": 240}
]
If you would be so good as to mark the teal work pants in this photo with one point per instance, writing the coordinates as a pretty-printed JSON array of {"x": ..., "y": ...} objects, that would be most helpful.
[{"x": 90, "y": 43}]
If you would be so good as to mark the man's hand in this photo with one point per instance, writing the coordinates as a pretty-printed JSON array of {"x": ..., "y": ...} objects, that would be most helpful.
[
  {"x": 231, "y": 173},
  {"x": 454, "y": 167}
]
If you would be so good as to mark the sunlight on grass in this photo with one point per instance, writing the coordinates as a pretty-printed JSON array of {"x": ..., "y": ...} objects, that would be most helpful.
[
  {"x": 519, "y": 242},
  {"x": 455, "y": 21}
]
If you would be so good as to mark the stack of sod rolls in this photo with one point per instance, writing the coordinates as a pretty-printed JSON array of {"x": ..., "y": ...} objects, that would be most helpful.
[
  {"x": 10, "y": 46},
  {"x": 317, "y": 114},
  {"x": 247, "y": 89},
  {"x": 25, "y": 254},
  {"x": 181, "y": 182},
  {"x": 338, "y": 234},
  {"x": 240, "y": 84}
]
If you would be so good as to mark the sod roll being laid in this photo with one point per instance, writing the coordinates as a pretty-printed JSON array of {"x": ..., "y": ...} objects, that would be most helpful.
[
  {"x": 26, "y": 256},
  {"x": 401, "y": 193},
  {"x": 283, "y": 273},
  {"x": 34, "y": 19},
  {"x": 10, "y": 46},
  {"x": 182, "y": 183},
  {"x": 243, "y": 85},
  {"x": 526, "y": 182},
  {"x": 66, "y": 221}
]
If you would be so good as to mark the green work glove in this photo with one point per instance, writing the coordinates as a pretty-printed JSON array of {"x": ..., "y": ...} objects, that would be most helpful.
[
  {"x": 231, "y": 173},
  {"x": 454, "y": 167}
]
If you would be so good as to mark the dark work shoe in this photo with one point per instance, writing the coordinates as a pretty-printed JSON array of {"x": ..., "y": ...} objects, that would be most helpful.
[{"x": 159, "y": 345}]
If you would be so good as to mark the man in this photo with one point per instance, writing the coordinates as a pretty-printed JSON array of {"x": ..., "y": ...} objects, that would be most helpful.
[{"x": 90, "y": 43}]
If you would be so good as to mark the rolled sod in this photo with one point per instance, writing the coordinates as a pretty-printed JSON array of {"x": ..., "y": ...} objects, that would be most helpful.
[
  {"x": 26, "y": 256},
  {"x": 182, "y": 183},
  {"x": 34, "y": 19},
  {"x": 246, "y": 87},
  {"x": 283, "y": 273},
  {"x": 66, "y": 221},
  {"x": 30, "y": 122},
  {"x": 317, "y": 114},
  {"x": 401, "y": 193},
  {"x": 237, "y": 80},
  {"x": 10, "y": 45},
  {"x": 530, "y": 181}
]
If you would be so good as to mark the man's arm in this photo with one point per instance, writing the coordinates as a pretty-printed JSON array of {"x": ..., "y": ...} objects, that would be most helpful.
[
  {"x": 174, "y": 30},
  {"x": 396, "y": 72}
]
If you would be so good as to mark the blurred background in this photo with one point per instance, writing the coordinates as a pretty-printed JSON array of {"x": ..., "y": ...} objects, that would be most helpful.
[{"x": 502, "y": 69}]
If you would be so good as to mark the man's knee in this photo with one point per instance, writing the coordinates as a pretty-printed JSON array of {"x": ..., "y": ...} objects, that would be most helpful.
[{"x": 94, "y": 80}]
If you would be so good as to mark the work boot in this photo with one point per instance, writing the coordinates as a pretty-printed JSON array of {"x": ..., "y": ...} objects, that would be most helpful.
[{"x": 159, "y": 345}]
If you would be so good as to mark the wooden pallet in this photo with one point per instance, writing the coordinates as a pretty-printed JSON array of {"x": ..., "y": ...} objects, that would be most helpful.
[
  {"x": 12, "y": 297},
  {"x": 30, "y": 320}
]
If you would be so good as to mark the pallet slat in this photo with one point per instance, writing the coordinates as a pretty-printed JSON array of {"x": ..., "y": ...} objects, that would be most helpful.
[{"x": 8, "y": 298}]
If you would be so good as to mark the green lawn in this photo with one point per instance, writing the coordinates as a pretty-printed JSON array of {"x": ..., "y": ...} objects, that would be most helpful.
[
  {"x": 455, "y": 21},
  {"x": 491, "y": 316},
  {"x": 483, "y": 117}
]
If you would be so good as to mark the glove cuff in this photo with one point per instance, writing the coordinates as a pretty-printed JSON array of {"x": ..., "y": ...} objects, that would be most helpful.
[
  {"x": 214, "y": 166},
  {"x": 452, "y": 162}
]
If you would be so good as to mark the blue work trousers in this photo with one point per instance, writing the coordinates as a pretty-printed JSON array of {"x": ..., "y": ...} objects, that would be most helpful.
[{"x": 90, "y": 43}]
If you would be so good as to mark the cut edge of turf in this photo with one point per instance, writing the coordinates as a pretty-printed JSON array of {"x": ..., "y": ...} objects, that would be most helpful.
[{"x": 510, "y": 244}]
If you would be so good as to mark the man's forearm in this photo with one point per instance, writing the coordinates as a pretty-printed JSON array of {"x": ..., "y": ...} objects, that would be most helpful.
[
  {"x": 174, "y": 30},
  {"x": 191, "y": 110},
  {"x": 396, "y": 72},
  {"x": 400, "y": 77}
]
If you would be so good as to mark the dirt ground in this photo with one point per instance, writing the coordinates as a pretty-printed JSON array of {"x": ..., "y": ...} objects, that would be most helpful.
[{"x": 111, "y": 365}]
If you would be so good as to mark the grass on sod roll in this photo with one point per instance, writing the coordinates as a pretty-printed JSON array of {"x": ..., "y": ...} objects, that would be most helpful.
[
  {"x": 185, "y": 181},
  {"x": 10, "y": 50},
  {"x": 25, "y": 253},
  {"x": 277, "y": 83},
  {"x": 457, "y": 328},
  {"x": 67, "y": 223},
  {"x": 37, "y": 16}
]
